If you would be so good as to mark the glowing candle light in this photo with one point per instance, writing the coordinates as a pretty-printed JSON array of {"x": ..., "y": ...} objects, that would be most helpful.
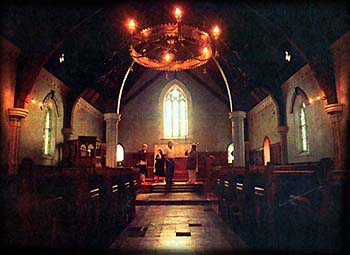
[
  {"x": 168, "y": 57},
  {"x": 205, "y": 51},
  {"x": 216, "y": 32},
  {"x": 131, "y": 25},
  {"x": 33, "y": 101},
  {"x": 178, "y": 14}
]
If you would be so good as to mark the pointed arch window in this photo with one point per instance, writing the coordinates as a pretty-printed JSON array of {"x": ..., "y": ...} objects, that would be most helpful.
[
  {"x": 48, "y": 131},
  {"x": 267, "y": 152},
  {"x": 230, "y": 156},
  {"x": 120, "y": 153},
  {"x": 175, "y": 113},
  {"x": 303, "y": 128}
]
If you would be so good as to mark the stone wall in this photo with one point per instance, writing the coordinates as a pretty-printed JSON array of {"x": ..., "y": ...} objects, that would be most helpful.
[
  {"x": 141, "y": 118},
  {"x": 87, "y": 120},
  {"x": 32, "y": 136},
  {"x": 263, "y": 122},
  {"x": 319, "y": 130}
]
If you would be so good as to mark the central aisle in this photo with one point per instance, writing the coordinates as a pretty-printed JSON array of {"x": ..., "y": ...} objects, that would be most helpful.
[{"x": 174, "y": 229}]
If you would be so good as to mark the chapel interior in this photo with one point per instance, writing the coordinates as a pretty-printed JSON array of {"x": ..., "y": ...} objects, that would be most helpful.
[{"x": 260, "y": 87}]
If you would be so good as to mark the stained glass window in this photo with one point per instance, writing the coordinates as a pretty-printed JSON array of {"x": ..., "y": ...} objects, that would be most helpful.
[
  {"x": 303, "y": 128},
  {"x": 47, "y": 131},
  {"x": 175, "y": 113}
]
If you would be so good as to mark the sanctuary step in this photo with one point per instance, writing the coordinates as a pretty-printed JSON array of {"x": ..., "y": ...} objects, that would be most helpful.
[
  {"x": 173, "y": 198},
  {"x": 176, "y": 187}
]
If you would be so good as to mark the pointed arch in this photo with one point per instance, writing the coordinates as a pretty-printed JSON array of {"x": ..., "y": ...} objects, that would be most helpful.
[
  {"x": 120, "y": 153},
  {"x": 230, "y": 156},
  {"x": 267, "y": 151},
  {"x": 298, "y": 92}
]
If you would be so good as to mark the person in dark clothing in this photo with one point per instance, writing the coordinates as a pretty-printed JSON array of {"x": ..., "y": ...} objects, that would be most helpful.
[
  {"x": 191, "y": 164},
  {"x": 142, "y": 161},
  {"x": 159, "y": 165},
  {"x": 170, "y": 163}
]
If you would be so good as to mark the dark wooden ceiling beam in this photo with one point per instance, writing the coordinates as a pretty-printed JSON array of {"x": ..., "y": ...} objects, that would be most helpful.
[{"x": 254, "y": 95}]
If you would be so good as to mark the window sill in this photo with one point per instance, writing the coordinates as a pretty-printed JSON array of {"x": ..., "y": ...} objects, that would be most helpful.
[
  {"x": 48, "y": 156},
  {"x": 304, "y": 154},
  {"x": 184, "y": 140}
]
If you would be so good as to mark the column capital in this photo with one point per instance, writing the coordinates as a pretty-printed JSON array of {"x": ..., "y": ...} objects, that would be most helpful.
[
  {"x": 67, "y": 131},
  {"x": 334, "y": 109},
  {"x": 237, "y": 115},
  {"x": 112, "y": 116},
  {"x": 282, "y": 129},
  {"x": 18, "y": 113}
]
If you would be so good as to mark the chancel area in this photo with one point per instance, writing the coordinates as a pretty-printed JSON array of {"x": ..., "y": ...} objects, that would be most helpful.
[{"x": 168, "y": 127}]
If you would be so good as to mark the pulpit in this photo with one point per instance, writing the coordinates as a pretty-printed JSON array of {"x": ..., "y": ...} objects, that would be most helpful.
[{"x": 86, "y": 151}]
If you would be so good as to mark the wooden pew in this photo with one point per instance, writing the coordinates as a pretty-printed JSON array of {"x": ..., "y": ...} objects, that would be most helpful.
[
  {"x": 77, "y": 208},
  {"x": 286, "y": 202},
  {"x": 272, "y": 206}
]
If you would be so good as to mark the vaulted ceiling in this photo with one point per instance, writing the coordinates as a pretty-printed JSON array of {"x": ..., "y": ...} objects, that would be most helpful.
[{"x": 95, "y": 43}]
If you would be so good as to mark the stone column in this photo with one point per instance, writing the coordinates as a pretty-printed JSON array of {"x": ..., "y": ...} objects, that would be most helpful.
[
  {"x": 112, "y": 119},
  {"x": 67, "y": 135},
  {"x": 335, "y": 112},
  {"x": 283, "y": 130},
  {"x": 16, "y": 115},
  {"x": 237, "y": 121}
]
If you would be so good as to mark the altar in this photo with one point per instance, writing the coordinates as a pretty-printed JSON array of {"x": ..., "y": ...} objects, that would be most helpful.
[
  {"x": 180, "y": 173},
  {"x": 179, "y": 149}
]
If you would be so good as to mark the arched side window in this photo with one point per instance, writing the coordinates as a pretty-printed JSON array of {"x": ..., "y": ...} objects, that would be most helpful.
[
  {"x": 303, "y": 128},
  {"x": 267, "y": 152},
  {"x": 175, "y": 113},
  {"x": 83, "y": 150},
  {"x": 48, "y": 131},
  {"x": 230, "y": 156},
  {"x": 90, "y": 150},
  {"x": 50, "y": 110},
  {"x": 120, "y": 153}
]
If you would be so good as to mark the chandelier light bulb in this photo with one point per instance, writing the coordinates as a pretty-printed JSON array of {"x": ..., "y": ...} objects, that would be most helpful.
[
  {"x": 178, "y": 14},
  {"x": 33, "y": 101},
  {"x": 131, "y": 25},
  {"x": 168, "y": 57},
  {"x": 205, "y": 51},
  {"x": 216, "y": 32}
]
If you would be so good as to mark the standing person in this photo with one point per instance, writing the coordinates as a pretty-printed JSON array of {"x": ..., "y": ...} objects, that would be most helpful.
[
  {"x": 142, "y": 161},
  {"x": 170, "y": 162},
  {"x": 159, "y": 165},
  {"x": 191, "y": 164}
]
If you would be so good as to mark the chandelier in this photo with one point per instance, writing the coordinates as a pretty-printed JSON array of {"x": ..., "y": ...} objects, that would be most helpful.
[{"x": 171, "y": 46}]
